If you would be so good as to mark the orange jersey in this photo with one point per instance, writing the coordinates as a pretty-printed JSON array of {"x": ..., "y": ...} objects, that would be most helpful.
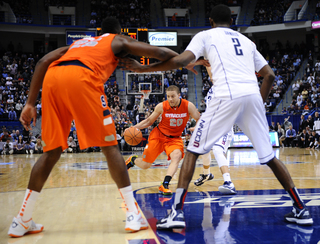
[
  {"x": 174, "y": 120},
  {"x": 94, "y": 52}
]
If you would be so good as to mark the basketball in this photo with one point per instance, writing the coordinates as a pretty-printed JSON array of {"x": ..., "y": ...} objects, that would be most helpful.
[{"x": 132, "y": 136}]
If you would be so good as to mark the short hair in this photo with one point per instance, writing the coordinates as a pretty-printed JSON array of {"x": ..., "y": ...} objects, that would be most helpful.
[
  {"x": 173, "y": 88},
  {"x": 110, "y": 25},
  {"x": 221, "y": 14}
]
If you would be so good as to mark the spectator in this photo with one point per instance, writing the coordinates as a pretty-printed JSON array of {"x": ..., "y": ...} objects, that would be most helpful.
[
  {"x": 310, "y": 122},
  {"x": 313, "y": 140},
  {"x": 303, "y": 123},
  {"x": 12, "y": 114},
  {"x": 18, "y": 108},
  {"x": 14, "y": 135},
  {"x": 5, "y": 136},
  {"x": 19, "y": 146},
  {"x": 202, "y": 106},
  {"x": 303, "y": 139},
  {"x": 72, "y": 146},
  {"x": 7, "y": 147},
  {"x": 273, "y": 127},
  {"x": 281, "y": 135},
  {"x": 296, "y": 87},
  {"x": 286, "y": 123},
  {"x": 290, "y": 136}
]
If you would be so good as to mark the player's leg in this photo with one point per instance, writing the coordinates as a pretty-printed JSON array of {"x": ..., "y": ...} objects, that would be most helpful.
[
  {"x": 223, "y": 163},
  {"x": 119, "y": 174},
  {"x": 135, "y": 160},
  {"x": 173, "y": 147},
  {"x": 258, "y": 133},
  {"x": 215, "y": 122},
  {"x": 95, "y": 127},
  {"x": 206, "y": 175},
  {"x": 150, "y": 153},
  {"x": 56, "y": 122}
]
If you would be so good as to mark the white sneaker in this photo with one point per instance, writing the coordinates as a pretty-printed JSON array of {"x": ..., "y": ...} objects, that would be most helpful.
[
  {"x": 11, "y": 152},
  {"x": 135, "y": 222},
  {"x": 31, "y": 151},
  {"x": 19, "y": 228},
  {"x": 27, "y": 152}
]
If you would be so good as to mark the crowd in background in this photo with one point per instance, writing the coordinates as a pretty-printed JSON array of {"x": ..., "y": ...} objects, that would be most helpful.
[
  {"x": 270, "y": 12},
  {"x": 134, "y": 13}
]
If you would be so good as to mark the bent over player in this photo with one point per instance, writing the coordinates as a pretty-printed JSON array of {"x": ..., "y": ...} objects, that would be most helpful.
[
  {"x": 73, "y": 79},
  {"x": 167, "y": 135}
]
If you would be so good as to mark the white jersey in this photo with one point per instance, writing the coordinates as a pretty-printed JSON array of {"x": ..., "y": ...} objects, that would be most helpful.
[{"x": 234, "y": 59}]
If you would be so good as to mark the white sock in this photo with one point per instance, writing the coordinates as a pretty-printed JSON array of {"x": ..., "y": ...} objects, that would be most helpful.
[
  {"x": 226, "y": 177},
  {"x": 28, "y": 205},
  {"x": 127, "y": 196}
]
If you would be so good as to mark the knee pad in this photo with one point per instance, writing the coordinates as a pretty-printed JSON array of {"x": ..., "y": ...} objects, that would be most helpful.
[{"x": 220, "y": 157}]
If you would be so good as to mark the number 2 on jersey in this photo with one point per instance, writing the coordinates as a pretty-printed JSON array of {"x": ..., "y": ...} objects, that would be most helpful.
[{"x": 237, "y": 46}]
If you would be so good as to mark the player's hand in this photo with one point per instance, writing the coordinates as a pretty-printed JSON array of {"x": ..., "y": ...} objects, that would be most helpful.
[
  {"x": 131, "y": 64},
  {"x": 191, "y": 66},
  {"x": 28, "y": 113},
  {"x": 192, "y": 129}
]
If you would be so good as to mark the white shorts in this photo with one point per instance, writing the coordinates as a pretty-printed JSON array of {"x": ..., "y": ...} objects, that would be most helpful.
[
  {"x": 247, "y": 112},
  {"x": 225, "y": 141}
]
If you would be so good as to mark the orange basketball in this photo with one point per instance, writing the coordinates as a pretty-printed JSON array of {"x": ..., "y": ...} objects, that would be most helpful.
[{"x": 132, "y": 136}]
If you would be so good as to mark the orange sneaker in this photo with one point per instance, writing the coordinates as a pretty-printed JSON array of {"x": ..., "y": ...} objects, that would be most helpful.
[
  {"x": 164, "y": 190},
  {"x": 130, "y": 161}
]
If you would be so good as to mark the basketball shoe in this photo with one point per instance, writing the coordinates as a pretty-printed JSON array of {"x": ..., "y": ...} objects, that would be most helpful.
[
  {"x": 227, "y": 188},
  {"x": 173, "y": 220},
  {"x": 135, "y": 222},
  {"x": 203, "y": 178},
  {"x": 19, "y": 228},
  {"x": 130, "y": 161},
  {"x": 164, "y": 190},
  {"x": 301, "y": 217}
]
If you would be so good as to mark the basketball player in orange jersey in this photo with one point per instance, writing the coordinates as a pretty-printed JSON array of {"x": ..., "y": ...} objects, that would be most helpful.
[
  {"x": 72, "y": 81},
  {"x": 167, "y": 135}
]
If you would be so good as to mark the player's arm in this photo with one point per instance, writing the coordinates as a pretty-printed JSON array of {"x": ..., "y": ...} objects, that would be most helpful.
[
  {"x": 29, "y": 112},
  {"x": 193, "y": 111},
  {"x": 173, "y": 63},
  {"x": 123, "y": 45},
  {"x": 268, "y": 77},
  {"x": 40, "y": 71},
  {"x": 151, "y": 119}
]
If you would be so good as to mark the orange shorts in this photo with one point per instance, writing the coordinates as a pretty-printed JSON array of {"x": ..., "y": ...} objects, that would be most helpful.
[
  {"x": 75, "y": 93},
  {"x": 157, "y": 143}
]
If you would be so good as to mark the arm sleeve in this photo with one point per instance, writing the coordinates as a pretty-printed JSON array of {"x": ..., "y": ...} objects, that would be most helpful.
[{"x": 197, "y": 45}]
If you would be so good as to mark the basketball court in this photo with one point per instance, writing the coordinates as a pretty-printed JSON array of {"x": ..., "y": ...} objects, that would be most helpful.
[{"x": 81, "y": 204}]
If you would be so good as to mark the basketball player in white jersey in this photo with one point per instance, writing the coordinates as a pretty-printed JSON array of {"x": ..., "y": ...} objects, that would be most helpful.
[
  {"x": 219, "y": 150},
  {"x": 236, "y": 99}
]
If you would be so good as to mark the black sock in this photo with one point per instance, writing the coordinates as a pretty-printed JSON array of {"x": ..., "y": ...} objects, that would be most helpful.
[
  {"x": 296, "y": 199},
  {"x": 167, "y": 180}
]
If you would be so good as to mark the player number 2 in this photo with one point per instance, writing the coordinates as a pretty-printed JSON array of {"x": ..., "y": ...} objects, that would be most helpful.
[
  {"x": 176, "y": 122},
  {"x": 237, "y": 46}
]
